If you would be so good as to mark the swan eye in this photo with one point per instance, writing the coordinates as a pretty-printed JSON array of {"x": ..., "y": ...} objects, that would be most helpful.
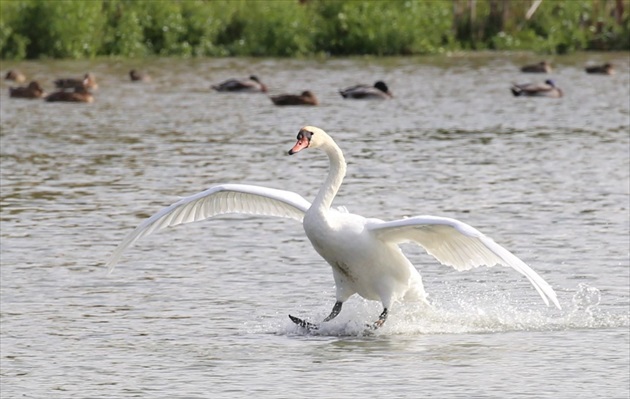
[{"x": 305, "y": 134}]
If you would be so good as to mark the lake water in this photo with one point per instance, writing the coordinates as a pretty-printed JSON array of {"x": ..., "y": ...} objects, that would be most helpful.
[{"x": 200, "y": 311}]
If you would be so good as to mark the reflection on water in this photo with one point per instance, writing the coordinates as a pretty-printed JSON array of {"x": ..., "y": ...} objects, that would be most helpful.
[{"x": 203, "y": 307}]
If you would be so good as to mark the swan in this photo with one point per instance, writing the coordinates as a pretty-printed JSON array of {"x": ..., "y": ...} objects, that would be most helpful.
[{"x": 364, "y": 253}]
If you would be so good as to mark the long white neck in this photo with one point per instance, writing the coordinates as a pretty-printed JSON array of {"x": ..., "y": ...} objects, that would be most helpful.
[{"x": 336, "y": 173}]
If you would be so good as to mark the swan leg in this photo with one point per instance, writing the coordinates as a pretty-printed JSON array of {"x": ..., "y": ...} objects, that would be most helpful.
[
  {"x": 310, "y": 326},
  {"x": 335, "y": 311}
]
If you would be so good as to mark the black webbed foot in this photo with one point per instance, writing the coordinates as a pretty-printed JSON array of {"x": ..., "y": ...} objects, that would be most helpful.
[
  {"x": 303, "y": 323},
  {"x": 310, "y": 326},
  {"x": 381, "y": 320}
]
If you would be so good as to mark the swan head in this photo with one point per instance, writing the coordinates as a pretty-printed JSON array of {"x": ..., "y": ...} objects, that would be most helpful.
[{"x": 310, "y": 137}]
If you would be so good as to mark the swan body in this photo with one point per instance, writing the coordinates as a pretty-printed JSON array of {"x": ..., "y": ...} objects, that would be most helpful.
[{"x": 364, "y": 253}]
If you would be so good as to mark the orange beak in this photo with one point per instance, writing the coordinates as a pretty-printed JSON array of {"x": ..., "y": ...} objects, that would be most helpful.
[{"x": 301, "y": 144}]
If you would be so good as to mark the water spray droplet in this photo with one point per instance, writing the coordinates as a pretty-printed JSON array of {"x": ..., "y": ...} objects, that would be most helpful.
[{"x": 586, "y": 297}]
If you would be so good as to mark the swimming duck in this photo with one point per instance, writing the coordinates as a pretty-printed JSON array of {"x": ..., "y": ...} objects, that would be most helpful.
[
  {"x": 15, "y": 75},
  {"x": 33, "y": 90},
  {"x": 379, "y": 91},
  {"x": 79, "y": 95},
  {"x": 252, "y": 84},
  {"x": 547, "y": 89},
  {"x": 136, "y": 76},
  {"x": 306, "y": 98},
  {"x": 606, "y": 69},
  {"x": 541, "y": 67},
  {"x": 88, "y": 81}
]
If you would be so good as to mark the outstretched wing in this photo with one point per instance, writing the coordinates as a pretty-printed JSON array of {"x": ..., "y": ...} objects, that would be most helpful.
[
  {"x": 459, "y": 245},
  {"x": 218, "y": 200}
]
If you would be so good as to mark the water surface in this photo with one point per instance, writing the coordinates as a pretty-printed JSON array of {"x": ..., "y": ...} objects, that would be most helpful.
[{"x": 201, "y": 310}]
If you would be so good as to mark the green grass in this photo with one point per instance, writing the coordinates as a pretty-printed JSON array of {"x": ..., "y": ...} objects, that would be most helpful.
[{"x": 35, "y": 29}]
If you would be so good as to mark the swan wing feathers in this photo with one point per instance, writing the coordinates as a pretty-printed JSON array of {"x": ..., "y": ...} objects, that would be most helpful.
[
  {"x": 218, "y": 200},
  {"x": 459, "y": 245}
]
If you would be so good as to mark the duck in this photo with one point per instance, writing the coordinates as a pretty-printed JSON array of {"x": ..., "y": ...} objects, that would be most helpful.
[
  {"x": 79, "y": 95},
  {"x": 379, "y": 91},
  {"x": 306, "y": 98},
  {"x": 136, "y": 76},
  {"x": 605, "y": 69},
  {"x": 249, "y": 85},
  {"x": 541, "y": 67},
  {"x": 364, "y": 253},
  {"x": 547, "y": 89},
  {"x": 88, "y": 81},
  {"x": 33, "y": 90},
  {"x": 15, "y": 75}
]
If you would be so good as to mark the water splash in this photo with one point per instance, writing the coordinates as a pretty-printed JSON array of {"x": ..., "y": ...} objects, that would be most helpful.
[
  {"x": 493, "y": 313},
  {"x": 587, "y": 313},
  {"x": 586, "y": 298}
]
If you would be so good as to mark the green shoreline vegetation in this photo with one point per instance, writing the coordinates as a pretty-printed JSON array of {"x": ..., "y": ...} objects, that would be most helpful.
[{"x": 75, "y": 29}]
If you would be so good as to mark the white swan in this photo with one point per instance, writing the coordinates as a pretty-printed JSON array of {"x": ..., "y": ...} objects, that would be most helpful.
[{"x": 364, "y": 253}]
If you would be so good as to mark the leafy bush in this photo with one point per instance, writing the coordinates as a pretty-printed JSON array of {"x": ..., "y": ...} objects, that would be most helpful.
[
  {"x": 272, "y": 28},
  {"x": 13, "y": 44},
  {"x": 124, "y": 34},
  {"x": 203, "y": 25},
  {"x": 62, "y": 29},
  {"x": 136, "y": 28}
]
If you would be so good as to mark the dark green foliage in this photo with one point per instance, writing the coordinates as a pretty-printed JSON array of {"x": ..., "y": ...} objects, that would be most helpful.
[
  {"x": 59, "y": 29},
  {"x": 124, "y": 34},
  {"x": 284, "y": 28}
]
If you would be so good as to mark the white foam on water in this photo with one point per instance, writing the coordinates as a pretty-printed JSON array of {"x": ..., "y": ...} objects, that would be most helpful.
[{"x": 487, "y": 313}]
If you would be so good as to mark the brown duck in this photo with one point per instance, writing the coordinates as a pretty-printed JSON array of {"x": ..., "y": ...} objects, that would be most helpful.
[
  {"x": 33, "y": 90},
  {"x": 88, "y": 82},
  {"x": 137, "y": 76},
  {"x": 306, "y": 98},
  {"x": 606, "y": 69},
  {"x": 15, "y": 75},
  {"x": 79, "y": 95},
  {"x": 541, "y": 67}
]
